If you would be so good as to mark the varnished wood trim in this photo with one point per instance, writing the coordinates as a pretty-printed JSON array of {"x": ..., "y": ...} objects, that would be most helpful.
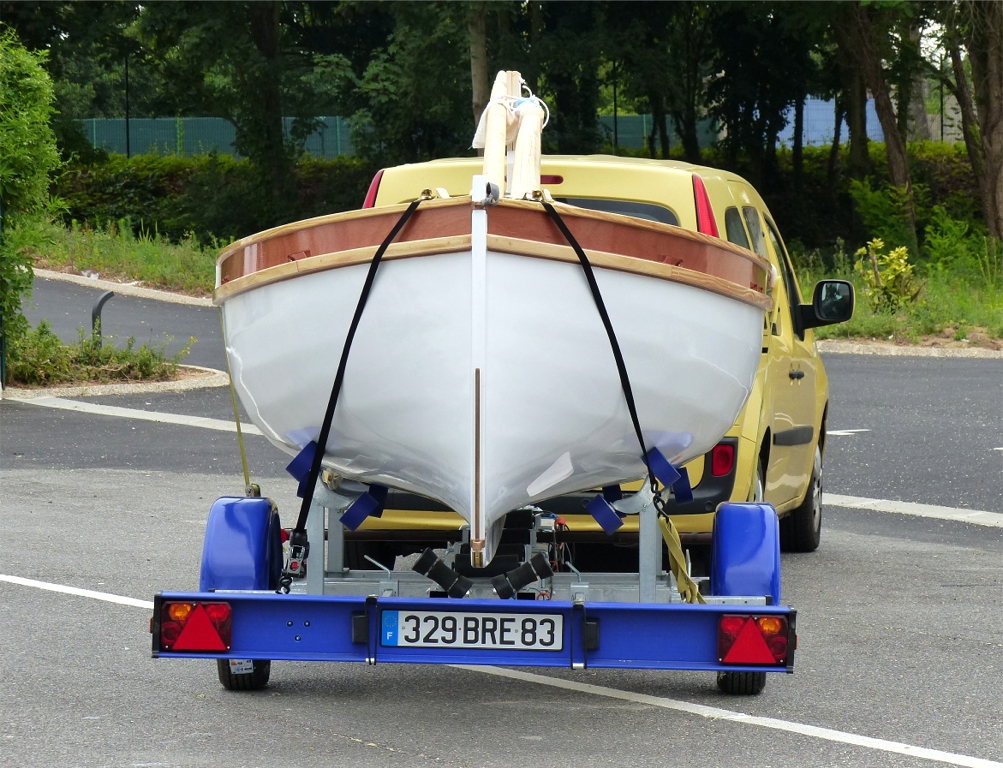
[
  {"x": 654, "y": 226},
  {"x": 348, "y": 258},
  {"x": 630, "y": 264},
  {"x": 363, "y": 213}
]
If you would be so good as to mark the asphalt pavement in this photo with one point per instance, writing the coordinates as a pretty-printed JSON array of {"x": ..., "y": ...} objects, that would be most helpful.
[{"x": 900, "y": 629}]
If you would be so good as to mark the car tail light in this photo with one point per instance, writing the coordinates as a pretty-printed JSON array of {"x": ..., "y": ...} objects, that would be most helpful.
[
  {"x": 705, "y": 214},
  {"x": 722, "y": 459},
  {"x": 551, "y": 179},
  {"x": 374, "y": 187},
  {"x": 752, "y": 640},
  {"x": 187, "y": 626}
]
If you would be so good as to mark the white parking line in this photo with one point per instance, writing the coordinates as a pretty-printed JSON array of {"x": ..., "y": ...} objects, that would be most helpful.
[
  {"x": 701, "y": 710},
  {"x": 50, "y": 587},
  {"x": 135, "y": 413},
  {"x": 976, "y": 516},
  {"x": 716, "y": 713}
]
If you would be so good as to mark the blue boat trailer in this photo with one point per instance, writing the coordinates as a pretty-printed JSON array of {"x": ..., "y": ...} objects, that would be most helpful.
[{"x": 570, "y": 619}]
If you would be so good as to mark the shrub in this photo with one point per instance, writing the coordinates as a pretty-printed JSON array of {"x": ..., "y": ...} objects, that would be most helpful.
[
  {"x": 27, "y": 155},
  {"x": 888, "y": 276},
  {"x": 43, "y": 360}
]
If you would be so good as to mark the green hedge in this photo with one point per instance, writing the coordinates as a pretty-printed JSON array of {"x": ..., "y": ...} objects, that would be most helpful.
[
  {"x": 211, "y": 196},
  {"x": 215, "y": 196}
]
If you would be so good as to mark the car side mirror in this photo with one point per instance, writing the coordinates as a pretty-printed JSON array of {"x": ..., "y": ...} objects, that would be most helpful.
[{"x": 831, "y": 304}]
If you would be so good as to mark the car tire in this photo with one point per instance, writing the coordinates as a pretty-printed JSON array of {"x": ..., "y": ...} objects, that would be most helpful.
[
  {"x": 254, "y": 680},
  {"x": 741, "y": 683},
  {"x": 801, "y": 530}
]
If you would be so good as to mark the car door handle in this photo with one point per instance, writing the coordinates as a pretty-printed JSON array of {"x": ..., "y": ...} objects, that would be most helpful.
[{"x": 796, "y": 374}]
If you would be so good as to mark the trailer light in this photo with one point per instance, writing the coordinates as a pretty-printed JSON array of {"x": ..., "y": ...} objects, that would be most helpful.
[
  {"x": 179, "y": 611},
  {"x": 722, "y": 459},
  {"x": 553, "y": 179},
  {"x": 770, "y": 625},
  {"x": 751, "y": 640},
  {"x": 732, "y": 625},
  {"x": 204, "y": 627}
]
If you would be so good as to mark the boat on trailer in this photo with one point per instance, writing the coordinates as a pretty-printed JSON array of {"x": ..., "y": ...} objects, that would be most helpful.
[{"x": 481, "y": 374}]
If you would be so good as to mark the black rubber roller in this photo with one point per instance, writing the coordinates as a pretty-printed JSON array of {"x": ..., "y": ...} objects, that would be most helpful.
[
  {"x": 432, "y": 566},
  {"x": 508, "y": 584}
]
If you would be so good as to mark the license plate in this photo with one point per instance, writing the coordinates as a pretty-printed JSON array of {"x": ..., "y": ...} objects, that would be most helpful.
[{"x": 443, "y": 629}]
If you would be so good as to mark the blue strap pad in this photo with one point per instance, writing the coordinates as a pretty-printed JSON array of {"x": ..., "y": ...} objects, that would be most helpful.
[
  {"x": 661, "y": 467},
  {"x": 604, "y": 514},
  {"x": 299, "y": 467},
  {"x": 681, "y": 488},
  {"x": 359, "y": 510}
]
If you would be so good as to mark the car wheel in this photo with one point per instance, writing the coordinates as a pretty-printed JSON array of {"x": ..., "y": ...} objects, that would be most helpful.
[
  {"x": 254, "y": 680},
  {"x": 801, "y": 530},
  {"x": 741, "y": 683}
]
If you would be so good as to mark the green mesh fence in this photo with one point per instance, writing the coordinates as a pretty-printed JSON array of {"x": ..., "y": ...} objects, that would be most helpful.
[{"x": 202, "y": 135}]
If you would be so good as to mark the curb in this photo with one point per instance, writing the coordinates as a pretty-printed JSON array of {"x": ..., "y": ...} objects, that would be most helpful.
[
  {"x": 210, "y": 378},
  {"x": 124, "y": 289},
  {"x": 833, "y": 347}
]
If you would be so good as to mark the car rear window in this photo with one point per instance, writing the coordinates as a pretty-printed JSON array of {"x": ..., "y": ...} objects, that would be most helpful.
[
  {"x": 648, "y": 211},
  {"x": 755, "y": 229},
  {"x": 735, "y": 230}
]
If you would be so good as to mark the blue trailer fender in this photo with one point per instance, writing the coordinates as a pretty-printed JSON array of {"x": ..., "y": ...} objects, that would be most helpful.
[
  {"x": 745, "y": 552},
  {"x": 243, "y": 545}
]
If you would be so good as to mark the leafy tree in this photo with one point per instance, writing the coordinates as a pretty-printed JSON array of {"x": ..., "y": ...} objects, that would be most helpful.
[
  {"x": 27, "y": 156},
  {"x": 239, "y": 61},
  {"x": 977, "y": 28},
  {"x": 409, "y": 100},
  {"x": 765, "y": 69}
]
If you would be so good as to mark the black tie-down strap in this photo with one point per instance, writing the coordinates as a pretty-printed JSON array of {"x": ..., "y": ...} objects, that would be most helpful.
[
  {"x": 656, "y": 464},
  {"x": 299, "y": 547}
]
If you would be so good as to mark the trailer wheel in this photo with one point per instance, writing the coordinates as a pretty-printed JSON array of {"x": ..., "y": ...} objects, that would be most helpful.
[
  {"x": 741, "y": 683},
  {"x": 801, "y": 530},
  {"x": 254, "y": 680}
]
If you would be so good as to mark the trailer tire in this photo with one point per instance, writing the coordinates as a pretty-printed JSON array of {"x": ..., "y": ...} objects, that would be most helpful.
[
  {"x": 252, "y": 681},
  {"x": 741, "y": 683},
  {"x": 801, "y": 530}
]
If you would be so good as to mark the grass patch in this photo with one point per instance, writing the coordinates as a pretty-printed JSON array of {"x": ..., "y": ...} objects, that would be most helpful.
[
  {"x": 116, "y": 252},
  {"x": 951, "y": 302},
  {"x": 41, "y": 359}
]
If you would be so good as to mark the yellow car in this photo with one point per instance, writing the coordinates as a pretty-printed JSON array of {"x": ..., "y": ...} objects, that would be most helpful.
[{"x": 775, "y": 450}]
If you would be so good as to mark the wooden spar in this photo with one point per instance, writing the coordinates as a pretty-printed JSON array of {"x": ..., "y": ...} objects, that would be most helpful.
[
  {"x": 495, "y": 133},
  {"x": 526, "y": 168}
]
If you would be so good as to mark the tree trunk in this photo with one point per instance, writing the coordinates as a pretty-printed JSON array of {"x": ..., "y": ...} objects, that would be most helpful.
[
  {"x": 869, "y": 56},
  {"x": 985, "y": 51},
  {"x": 797, "y": 151},
  {"x": 854, "y": 94},
  {"x": 836, "y": 131},
  {"x": 476, "y": 23},
  {"x": 270, "y": 150},
  {"x": 663, "y": 133}
]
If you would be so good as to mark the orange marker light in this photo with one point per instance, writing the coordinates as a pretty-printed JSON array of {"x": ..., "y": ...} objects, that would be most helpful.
[
  {"x": 179, "y": 611},
  {"x": 770, "y": 625}
]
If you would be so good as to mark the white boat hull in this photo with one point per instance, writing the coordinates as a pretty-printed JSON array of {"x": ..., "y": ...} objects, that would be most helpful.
[{"x": 550, "y": 417}]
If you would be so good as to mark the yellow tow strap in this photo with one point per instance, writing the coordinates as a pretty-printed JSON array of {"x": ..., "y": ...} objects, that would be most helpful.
[
  {"x": 236, "y": 411},
  {"x": 688, "y": 589}
]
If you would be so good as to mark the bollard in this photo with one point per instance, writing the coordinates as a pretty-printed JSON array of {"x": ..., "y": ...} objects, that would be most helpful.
[{"x": 96, "y": 316}]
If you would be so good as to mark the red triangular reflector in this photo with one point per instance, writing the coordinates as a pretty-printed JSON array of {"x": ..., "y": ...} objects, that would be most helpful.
[
  {"x": 199, "y": 634},
  {"x": 749, "y": 647}
]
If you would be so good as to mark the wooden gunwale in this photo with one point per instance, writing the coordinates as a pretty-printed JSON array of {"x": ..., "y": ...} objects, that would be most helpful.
[{"x": 631, "y": 245}]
